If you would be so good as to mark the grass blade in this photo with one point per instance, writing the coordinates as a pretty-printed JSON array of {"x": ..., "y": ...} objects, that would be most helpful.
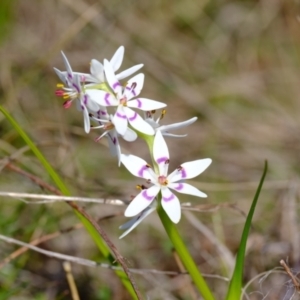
[{"x": 235, "y": 286}]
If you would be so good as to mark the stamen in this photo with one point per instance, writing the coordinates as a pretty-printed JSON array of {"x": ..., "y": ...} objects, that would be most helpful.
[
  {"x": 67, "y": 104},
  {"x": 60, "y": 86},
  {"x": 59, "y": 93},
  {"x": 141, "y": 187}
]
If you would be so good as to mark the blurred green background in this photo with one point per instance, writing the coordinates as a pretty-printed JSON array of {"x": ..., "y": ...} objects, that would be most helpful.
[{"x": 233, "y": 64}]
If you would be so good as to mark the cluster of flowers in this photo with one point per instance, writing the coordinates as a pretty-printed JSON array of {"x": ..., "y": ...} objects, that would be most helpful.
[{"x": 110, "y": 104}]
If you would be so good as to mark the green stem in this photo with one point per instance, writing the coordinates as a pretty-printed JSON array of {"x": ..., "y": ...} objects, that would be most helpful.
[
  {"x": 65, "y": 191},
  {"x": 176, "y": 240},
  {"x": 184, "y": 255}
]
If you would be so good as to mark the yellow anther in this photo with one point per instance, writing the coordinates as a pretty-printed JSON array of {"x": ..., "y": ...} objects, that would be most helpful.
[
  {"x": 60, "y": 85},
  {"x": 66, "y": 96},
  {"x": 163, "y": 113}
]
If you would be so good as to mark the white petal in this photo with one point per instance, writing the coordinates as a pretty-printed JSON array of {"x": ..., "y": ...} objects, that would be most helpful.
[
  {"x": 172, "y": 135},
  {"x": 178, "y": 125},
  {"x": 86, "y": 119},
  {"x": 145, "y": 104},
  {"x": 111, "y": 77},
  {"x": 85, "y": 77},
  {"x": 151, "y": 122},
  {"x": 171, "y": 205},
  {"x": 120, "y": 120},
  {"x": 91, "y": 105},
  {"x": 161, "y": 153},
  {"x": 141, "y": 201},
  {"x": 128, "y": 72},
  {"x": 97, "y": 70},
  {"x": 114, "y": 145},
  {"x": 117, "y": 59},
  {"x": 134, "y": 222},
  {"x": 62, "y": 75},
  {"x": 137, "y": 122},
  {"x": 136, "y": 166},
  {"x": 102, "y": 98},
  {"x": 189, "y": 169},
  {"x": 67, "y": 65},
  {"x": 130, "y": 135},
  {"x": 134, "y": 86},
  {"x": 185, "y": 188}
]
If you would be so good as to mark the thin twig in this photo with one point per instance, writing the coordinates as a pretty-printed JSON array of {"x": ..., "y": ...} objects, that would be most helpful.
[
  {"x": 91, "y": 263},
  {"x": 71, "y": 281},
  {"x": 82, "y": 212},
  {"x": 44, "y": 199},
  {"x": 291, "y": 275}
]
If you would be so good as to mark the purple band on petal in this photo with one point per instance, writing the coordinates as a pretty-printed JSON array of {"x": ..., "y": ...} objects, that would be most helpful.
[
  {"x": 82, "y": 107},
  {"x": 70, "y": 76},
  {"x": 178, "y": 187},
  {"x": 101, "y": 112},
  {"x": 141, "y": 171},
  {"x": 131, "y": 89},
  {"x": 139, "y": 103},
  {"x": 167, "y": 199},
  {"x": 106, "y": 99},
  {"x": 85, "y": 101},
  {"x": 162, "y": 159},
  {"x": 120, "y": 115},
  {"x": 116, "y": 84},
  {"x": 114, "y": 140},
  {"x": 76, "y": 87},
  {"x": 134, "y": 117},
  {"x": 183, "y": 173},
  {"x": 146, "y": 196}
]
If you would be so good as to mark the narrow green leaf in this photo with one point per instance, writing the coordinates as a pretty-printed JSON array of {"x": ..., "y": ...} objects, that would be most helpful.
[
  {"x": 62, "y": 187},
  {"x": 235, "y": 286}
]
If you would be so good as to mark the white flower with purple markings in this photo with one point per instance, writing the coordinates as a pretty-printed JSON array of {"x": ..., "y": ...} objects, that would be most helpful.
[
  {"x": 122, "y": 98},
  {"x": 162, "y": 182},
  {"x": 72, "y": 89},
  {"x": 97, "y": 74}
]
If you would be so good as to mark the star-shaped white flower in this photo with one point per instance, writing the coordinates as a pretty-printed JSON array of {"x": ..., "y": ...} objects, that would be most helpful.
[
  {"x": 162, "y": 182},
  {"x": 97, "y": 74},
  {"x": 106, "y": 122},
  {"x": 122, "y": 98},
  {"x": 164, "y": 129},
  {"x": 72, "y": 89}
]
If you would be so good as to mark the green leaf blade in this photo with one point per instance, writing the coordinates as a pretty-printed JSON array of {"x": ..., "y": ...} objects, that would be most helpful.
[{"x": 235, "y": 287}]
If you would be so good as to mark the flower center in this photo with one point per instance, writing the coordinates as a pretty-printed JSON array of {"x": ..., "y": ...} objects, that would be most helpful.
[
  {"x": 162, "y": 180},
  {"x": 123, "y": 101}
]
